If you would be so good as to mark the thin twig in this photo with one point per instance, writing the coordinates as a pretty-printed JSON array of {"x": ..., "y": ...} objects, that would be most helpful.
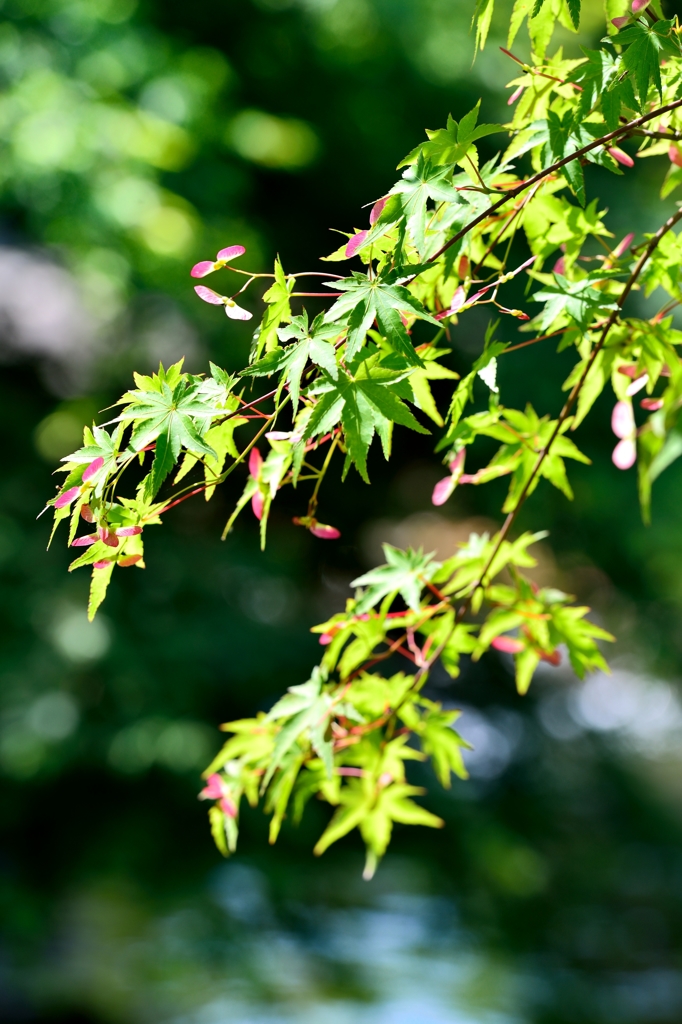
[
  {"x": 509, "y": 221},
  {"x": 577, "y": 387},
  {"x": 673, "y": 134},
  {"x": 534, "y": 341}
]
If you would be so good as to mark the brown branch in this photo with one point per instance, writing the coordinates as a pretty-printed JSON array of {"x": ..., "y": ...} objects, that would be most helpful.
[
  {"x": 617, "y": 134},
  {"x": 534, "y": 341},
  {"x": 563, "y": 416}
]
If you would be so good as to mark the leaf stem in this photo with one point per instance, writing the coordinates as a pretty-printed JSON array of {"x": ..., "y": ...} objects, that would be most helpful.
[{"x": 312, "y": 504}]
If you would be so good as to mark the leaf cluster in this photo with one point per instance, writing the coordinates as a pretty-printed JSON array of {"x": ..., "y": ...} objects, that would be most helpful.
[{"x": 449, "y": 235}]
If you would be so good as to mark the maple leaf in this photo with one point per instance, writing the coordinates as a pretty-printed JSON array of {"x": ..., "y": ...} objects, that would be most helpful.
[
  {"x": 306, "y": 708},
  {"x": 382, "y": 298},
  {"x": 578, "y": 300},
  {"x": 363, "y": 405},
  {"x": 420, "y": 182},
  {"x": 646, "y": 45},
  {"x": 279, "y": 311},
  {"x": 313, "y": 344},
  {"x": 450, "y": 145},
  {"x": 406, "y": 572},
  {"x": 173, "y": 418}
]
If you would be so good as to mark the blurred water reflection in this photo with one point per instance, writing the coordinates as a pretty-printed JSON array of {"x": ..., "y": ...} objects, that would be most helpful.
[{"x": 222, "y": 956}]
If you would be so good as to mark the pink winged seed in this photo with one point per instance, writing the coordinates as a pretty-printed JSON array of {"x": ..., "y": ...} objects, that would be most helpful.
[
  {"x": 257, "y": 505},
  {"x": 624, "y": 245},
  {"x": 637, "y": 385},
  {"x": 236, "y": 312},
  {"x": 67, "y": 497},
  {"x": 443, "y": 490},
  {"x": 228, "y": 806},
  {"x": 231, "y": 252},
  {"x": 620, "y": 157},
  {"x": 213, "y": 790},
  {"x": 457, "y": 463},
  {"x": 507, "y": 644},
  {"x": 203, "y": 268},
  {"x": 622, "y": 420},
  {"x": 377, "y": 210},
  {"x": 93, "y": 469},
  {"x": 625, "y": 453},
  {"x": 129, "y": 560},
  {"x": 325, "y": 532},
  {"x": 255, "y": 463},
  {"x": 208, "y": 295},
  {"x": 355, "y": 243}
]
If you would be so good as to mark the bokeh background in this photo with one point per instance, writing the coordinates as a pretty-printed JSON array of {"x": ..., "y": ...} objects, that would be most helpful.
[{"x": 136, "y": 138}]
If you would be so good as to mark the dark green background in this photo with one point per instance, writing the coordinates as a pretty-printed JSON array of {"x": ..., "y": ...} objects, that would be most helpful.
[{"x": 554, "y": 892}]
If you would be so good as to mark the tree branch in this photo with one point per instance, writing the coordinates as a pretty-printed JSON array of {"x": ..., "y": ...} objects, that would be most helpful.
[
  {"x": 617, "y": 134},
  {"x": 577, "y": 388}
]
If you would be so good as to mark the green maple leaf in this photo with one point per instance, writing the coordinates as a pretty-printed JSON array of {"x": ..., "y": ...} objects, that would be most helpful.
[
  {"x": 373, "y": 812},
  {"x": 573, "y": 10},
  {"x": 450, "y": 145},
  {"x": 579, "y": 300},
  {"x": 565, "y": 137},
  {"x": 363, "y": 405},
  {"x": 355, "y": 804},
  {"x": 419, "y": 382},
  {"x": 595, "y": 76},
  {"x": 173, "y": 418},
  {"x": 278, "y": 311},
  {"x": 98, "y": 444},
  {"x": 313, "y": 344},
  {"x": 524, "y": 435},
  {"x": 392, "y": 805},
  {"x": 569, "y": 626},
  {"x": 406, "y": 573},
  {"x": 382, "y": 298},
  {"x": 306, "y": 708},
  {"x": 372, "y": 695},
  {"x": 221, "y": 439},
  {"x": 99, "y": 582},
  {"x": 646, "y": 44},
  {"x": 420, "y": 182},
  {"x": 172, "y": 376},
  {"x": 442, "y": 744}
]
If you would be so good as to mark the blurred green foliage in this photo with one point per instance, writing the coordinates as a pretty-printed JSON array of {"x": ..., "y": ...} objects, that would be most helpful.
[{"x": 134, "y": 141}]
